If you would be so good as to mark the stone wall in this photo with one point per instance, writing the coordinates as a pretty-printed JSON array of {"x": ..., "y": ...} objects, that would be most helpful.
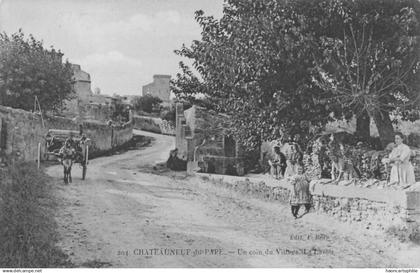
[
  {"x": 22, "y": 131},
  {"x": 122, "y": 134},
  {"x": 155, "y": 125},
  {"x": 54, "y": 122},
  {"x": 374, "y": 209},
  {"x": 202, "y": 137},
  {"x": 103, "y": 137},
  {"x": 92, "y": 111}
]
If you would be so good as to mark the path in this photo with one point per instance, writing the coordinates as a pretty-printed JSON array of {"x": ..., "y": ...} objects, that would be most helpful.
[{"x": 122, "y": 211}]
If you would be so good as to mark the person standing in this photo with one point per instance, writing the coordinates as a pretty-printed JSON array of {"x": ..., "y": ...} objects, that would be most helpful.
[
  {"x": 402, "y": 171},
  {"x": 299, "y": 194},
  {"x": 294, "y": 158},
  {"x": 277, "y": 163}
]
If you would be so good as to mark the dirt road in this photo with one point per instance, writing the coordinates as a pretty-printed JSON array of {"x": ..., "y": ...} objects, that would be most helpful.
[{"x": 124, "y": 216}]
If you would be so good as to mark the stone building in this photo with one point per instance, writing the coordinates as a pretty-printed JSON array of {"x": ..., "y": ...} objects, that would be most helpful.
[
  {"x": 82, "y": 84},
  {"x": 83, "y": 92},
  {"x": 159, "y": 88},
  {"x": 100, "y": 107},
  {"x": 203, "y": 141},
  {"x": 86, "y": 104}
]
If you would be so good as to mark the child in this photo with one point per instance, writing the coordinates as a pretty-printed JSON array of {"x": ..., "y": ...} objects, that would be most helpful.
[{"x": 299, "y": 195}]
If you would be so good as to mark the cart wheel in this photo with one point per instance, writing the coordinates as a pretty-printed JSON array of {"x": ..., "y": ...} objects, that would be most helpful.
[
  {"x": 38, "y": 157},
  {"x": 84, "y": 172},
  {"x": 45, "y": 154}
]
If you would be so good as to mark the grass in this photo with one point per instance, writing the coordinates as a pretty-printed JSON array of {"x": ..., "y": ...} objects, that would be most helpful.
[
  {"x": 405, "y": 234},
  {"x": 27, "y": 227}
]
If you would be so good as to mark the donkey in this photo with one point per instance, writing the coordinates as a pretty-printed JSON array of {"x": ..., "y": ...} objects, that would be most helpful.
[{"x": 67, "y": 154}]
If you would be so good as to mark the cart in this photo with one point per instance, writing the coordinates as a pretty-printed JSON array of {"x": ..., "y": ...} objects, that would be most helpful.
[{"x": 55, "y": 139}]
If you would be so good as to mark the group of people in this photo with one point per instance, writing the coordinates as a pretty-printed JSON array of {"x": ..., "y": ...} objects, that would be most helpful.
[
  {"x": 287, "y": 163},
  {"x": 397, "y": 168},
  {"x": 286, "y": 159}
]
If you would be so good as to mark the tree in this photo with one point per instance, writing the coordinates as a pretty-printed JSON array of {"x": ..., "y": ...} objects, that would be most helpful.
[
  {"x": 121, "y": 112},
  {"x": 27, "y": 70},
  {"x": 371, "y": 65},
  {"x": 253, "y": 65},
  {"x": 146, "y": 103},
  {"x": 269, "y": 63}
]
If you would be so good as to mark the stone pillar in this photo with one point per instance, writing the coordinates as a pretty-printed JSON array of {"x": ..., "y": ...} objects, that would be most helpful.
[
  {"x": 239, "y": 149},
  {"x": 179, "y": 110},
  {"x": 413, "y": 206},
  {"x": 2, "y": 142}
]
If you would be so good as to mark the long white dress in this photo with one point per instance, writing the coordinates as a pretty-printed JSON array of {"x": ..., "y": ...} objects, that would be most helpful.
[{"x": 402, "y": 172}]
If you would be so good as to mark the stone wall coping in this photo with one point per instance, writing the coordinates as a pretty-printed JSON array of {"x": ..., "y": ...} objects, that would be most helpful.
[
  {"x": 223, "y": 157},
  {"x": 7, "y": 109},
  {"x": 24, "y": 143},
  {"x": 148, "y": 117},
  {"x": 389, "y": 196}
]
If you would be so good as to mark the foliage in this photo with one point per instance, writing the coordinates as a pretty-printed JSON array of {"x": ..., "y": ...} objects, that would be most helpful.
[
  {"x": 264, "y": 62},
  {"x": 27, "y": 70},
  {"x": 121, "y": 113},
  {"x": 370, "y": 62},
  {"x": 254, "y": 67},
  {"x": 168, "y": 114},
  {"x": 146, "y": 103},
  {"x": 28, "y": 229}
]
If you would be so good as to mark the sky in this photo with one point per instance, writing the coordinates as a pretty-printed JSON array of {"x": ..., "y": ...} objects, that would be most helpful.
[{"x": 120, "y": 43}]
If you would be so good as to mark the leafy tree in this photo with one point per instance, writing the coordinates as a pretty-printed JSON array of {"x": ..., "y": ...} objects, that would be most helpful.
[
  {"x": 27, "y": 70},
  {"x": 370, "y": 64},
  {"x": 146, "y": 103},
  {"x": 268, "y": 64},
  {"x": 253, "y": 65}
]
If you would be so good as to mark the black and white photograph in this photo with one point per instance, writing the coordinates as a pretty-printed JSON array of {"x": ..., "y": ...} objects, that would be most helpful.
[{"x": 208, "y": 134}]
